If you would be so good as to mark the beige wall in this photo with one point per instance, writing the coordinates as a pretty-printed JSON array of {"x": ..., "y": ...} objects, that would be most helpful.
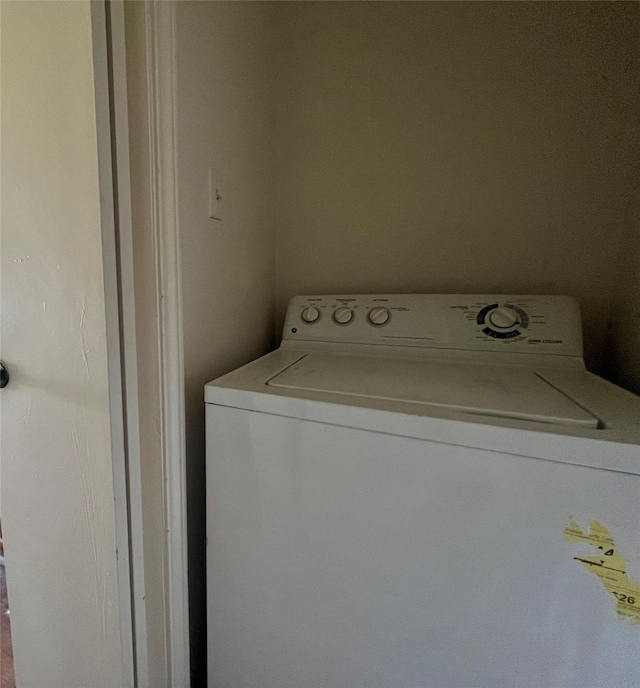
[
  {"x": 456, "y": 147},
  {"x": 622, "y": 359},
  {"x": 57, "y": 499},
  {"x": 225, "y": 119}
]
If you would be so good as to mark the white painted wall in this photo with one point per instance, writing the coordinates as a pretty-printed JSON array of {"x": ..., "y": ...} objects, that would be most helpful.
[
  {"x": 456, "y": 147},
  {"x": 225, "y": 119},
  {"x": 57, "y": 491}
]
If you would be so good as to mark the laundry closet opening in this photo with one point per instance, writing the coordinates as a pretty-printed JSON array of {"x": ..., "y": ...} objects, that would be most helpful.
[{"x": 348, "y": 148}]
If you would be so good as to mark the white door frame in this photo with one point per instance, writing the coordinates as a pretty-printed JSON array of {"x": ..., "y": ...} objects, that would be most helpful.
[
  {"x": 161, "y": 62},
  {"x": 110, "y": 220},
  {"x": 110, "y": 74}
]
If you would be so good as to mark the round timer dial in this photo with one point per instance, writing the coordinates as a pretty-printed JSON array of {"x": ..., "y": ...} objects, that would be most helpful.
[
  {"x": 502, "y": 321},
  {"x": 503, "y": 317}
]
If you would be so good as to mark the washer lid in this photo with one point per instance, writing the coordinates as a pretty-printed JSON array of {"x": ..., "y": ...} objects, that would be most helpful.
[{"x": 502, "y": 391}]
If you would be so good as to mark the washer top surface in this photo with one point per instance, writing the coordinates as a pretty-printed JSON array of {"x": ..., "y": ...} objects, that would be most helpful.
[
  {"x": 500, "y": 391},
  {"x": 496, "y": 372}
]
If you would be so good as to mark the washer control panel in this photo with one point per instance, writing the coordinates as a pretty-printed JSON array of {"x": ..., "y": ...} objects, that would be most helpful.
[{"x": 519, "y": 324}]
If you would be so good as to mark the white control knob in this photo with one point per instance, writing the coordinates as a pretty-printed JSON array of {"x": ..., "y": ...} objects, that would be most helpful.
[
  {"x": 503, "y": 317},
  {"x": 379, "y": 316},
  {"x": 343, "y": 316},
  {"x": 310, "y": 314}
]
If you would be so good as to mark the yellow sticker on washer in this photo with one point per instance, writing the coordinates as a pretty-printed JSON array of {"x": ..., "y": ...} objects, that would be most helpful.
[{"x": 610, "y": 567}]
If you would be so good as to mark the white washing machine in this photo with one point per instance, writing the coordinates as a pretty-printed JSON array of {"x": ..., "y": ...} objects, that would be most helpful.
[{"x": 423, "y": 491}]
